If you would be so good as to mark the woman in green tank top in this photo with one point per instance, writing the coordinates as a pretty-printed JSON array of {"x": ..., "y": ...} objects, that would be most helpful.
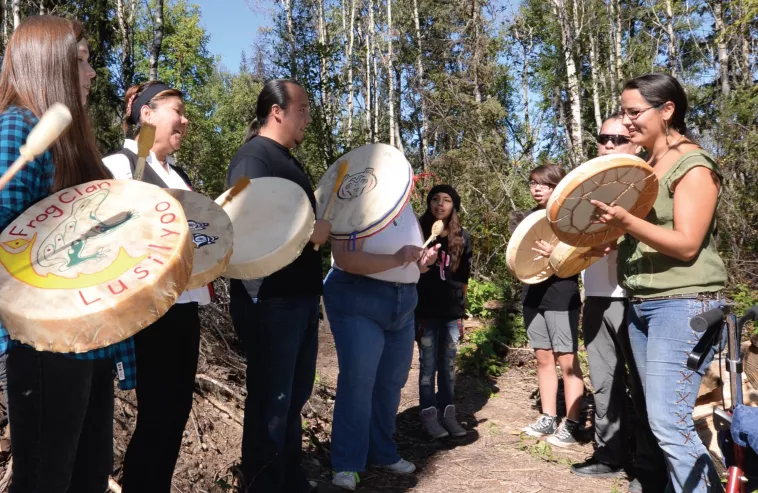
[{"x": 671, "y": 270}]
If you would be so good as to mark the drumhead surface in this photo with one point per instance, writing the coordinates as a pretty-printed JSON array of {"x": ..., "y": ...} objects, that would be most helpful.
[
  {"x": 212, "y": 236},
  {"x": 623, "y": 179},
  {"x": 568, "y": 261},
  {"x": 273, "y": 221},
  {"x": 377, "y": 186},
  {"x": 92, "y": 265},
  {"x": 528, "y": 266}
]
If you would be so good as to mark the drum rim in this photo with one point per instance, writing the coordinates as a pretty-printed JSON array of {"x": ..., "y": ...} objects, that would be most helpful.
[
  {"x": 608, "y": 233},
  {"x": 567, "y": 251},
  {"x": 511, "y": 249}
]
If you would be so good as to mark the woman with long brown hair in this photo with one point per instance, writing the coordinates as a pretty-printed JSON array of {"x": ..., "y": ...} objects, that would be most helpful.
[
  {"x": 440, "y": 312},
  {"x": 168, "y": 349},
  {"x": 60, "y": 405}
]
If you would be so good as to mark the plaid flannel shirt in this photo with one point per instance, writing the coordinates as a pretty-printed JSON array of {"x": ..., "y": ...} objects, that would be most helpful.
[{"x": 30, "y": 185}]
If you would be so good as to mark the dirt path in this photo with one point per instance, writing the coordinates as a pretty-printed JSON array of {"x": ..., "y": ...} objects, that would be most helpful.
[{"x": 493, "y": 457}]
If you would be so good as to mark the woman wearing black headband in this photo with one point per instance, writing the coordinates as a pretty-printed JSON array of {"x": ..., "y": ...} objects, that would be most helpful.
[{"x": 167, "y": 351}]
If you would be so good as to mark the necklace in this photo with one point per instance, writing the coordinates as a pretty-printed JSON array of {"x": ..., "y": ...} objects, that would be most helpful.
[{"x": 655, "y": 160}]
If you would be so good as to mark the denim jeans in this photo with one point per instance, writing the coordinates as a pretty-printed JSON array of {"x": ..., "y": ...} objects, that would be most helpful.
[
  {"x": 373, "y": 326},
  {"x": 661, "y": 340},
  {"x": 437, "y": 348},
  {"x": 606, "y": 336},
  {"x": 280, "y": 336},
  {"x": 61, "y": 421}
]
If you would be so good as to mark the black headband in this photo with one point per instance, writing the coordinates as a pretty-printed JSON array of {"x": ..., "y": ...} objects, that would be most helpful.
[{"x": 144, "y": 98}]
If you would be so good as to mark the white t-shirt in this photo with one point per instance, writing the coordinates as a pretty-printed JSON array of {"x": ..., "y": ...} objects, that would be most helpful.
[
  {"x": 601, "y": 279},
  {"x": 121, "y": 168},
  {"x": 404, "y": 230}
]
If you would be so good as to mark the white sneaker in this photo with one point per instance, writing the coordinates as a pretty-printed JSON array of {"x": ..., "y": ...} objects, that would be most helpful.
[
  {"x": 400, "y": 467},
  {"x": 346, "y": 480}
]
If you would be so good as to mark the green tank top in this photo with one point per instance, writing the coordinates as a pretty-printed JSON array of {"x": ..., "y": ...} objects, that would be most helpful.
[{"x": 645, "y": 273}]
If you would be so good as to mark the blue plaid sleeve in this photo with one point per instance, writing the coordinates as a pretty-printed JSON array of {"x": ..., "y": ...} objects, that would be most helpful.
[
  {"x": 123, "y": 356},
  {"x": 34, "y": 181}
]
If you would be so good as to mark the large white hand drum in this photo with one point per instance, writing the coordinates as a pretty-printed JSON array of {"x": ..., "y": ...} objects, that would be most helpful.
[
  {"x": 622, "y": 179},
  {"x": 375, "y": 190}
]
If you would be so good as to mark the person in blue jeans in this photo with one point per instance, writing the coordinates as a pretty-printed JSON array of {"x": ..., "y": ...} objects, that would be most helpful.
[
  {"x": 277, "y": 317},
  {"x": 370, "y": 298},
  {"x": 440, "y": 312},
  {"x": 671, "y": 270}
]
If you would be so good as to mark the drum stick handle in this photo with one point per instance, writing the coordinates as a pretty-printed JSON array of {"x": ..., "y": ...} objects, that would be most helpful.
[
  {"x": 144, "y": 144},
  {"x": 341, "y": 172},
  {"x": 55, "y": 120}
]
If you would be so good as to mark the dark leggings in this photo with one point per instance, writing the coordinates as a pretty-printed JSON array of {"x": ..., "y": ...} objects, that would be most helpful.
[
  {"x": 61, "y": 421},
  {"x": 167, "y": 354}
]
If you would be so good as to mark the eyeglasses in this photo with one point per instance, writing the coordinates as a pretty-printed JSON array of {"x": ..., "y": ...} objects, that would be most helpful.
[
  {"x": 618, "y": 140},
  {"x": 633, "y": 114},
  {"x": 534, "y": 184}
]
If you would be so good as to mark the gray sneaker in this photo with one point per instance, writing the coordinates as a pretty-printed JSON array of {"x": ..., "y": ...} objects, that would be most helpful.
[
  {"x": 431, "y": 425},
  {"x": 564, "y": 437},
  {"x": 545, "y": 425},
  {"x": 451, "y": 424}
]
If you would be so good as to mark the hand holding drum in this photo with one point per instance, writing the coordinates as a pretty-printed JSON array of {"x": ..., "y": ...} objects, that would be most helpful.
[{"x": 52, "y": 124}]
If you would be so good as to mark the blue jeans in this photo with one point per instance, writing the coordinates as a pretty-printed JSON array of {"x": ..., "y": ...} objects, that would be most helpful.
[
  {"x": 437, "y": 348},
  {"x": 280, "y": 336},
  {"x": 661, "y": 340},
  {"x": 372, "y": 322}
]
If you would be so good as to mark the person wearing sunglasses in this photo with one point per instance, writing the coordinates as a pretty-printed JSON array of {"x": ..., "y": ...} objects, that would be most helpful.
[{"x": 606, "y": 337}]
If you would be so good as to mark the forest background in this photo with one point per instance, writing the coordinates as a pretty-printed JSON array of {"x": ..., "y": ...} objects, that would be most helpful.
[{"x": 474, "y": 92}]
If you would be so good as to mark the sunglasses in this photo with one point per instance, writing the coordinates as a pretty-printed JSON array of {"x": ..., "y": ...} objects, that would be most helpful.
[{"x": 617, "y": 140}]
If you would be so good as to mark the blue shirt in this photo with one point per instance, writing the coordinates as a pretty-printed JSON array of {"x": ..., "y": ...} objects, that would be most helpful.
[{"x": 31, "y": 184}]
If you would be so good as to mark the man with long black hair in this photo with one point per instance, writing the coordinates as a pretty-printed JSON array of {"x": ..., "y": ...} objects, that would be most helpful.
[{"x": 277, "y": 316}]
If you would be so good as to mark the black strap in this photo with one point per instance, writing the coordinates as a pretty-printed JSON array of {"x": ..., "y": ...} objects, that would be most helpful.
[
  {"x": 150, "y": 176},
  {"x": 704, "y": 345}
]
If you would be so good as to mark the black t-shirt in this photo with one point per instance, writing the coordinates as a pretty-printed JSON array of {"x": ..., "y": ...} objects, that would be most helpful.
[
  {"x": 440, "y": 290},
  {"x": 553, "y": 294},
  {"x": 263, "y": 157}
]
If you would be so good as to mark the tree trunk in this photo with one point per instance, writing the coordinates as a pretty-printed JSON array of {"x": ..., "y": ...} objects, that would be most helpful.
[
  {"x": 370, "y": 82},
  {"x": 287, "y": 4},
  {"x": 672, "y": 49},
  {"x": 617, "y": 45},
  {"x": 595, "y": 81},
  {"x": 351, "y": 90},
  {"x": 16, "y": 13},
  {"x": 721, "y": 43},
  {"x": 125, "y": 11},
  {"x": 398, "y": 103},
  {"x": 155, "y": 51},
  {"x": 324, "y": 92},
  {"x": 567, "y": 41},
  {"x": 743, "y": 58},
  {"x": 390, "y": 78},
  {"x": 420, "y": 87}
]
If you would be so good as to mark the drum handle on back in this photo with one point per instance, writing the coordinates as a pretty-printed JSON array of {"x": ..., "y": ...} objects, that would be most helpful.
[{"x": 710, "y": 323}]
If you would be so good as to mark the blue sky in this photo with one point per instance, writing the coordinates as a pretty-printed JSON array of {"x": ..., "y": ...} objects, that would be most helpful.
[{"x": 233, "y": 26}]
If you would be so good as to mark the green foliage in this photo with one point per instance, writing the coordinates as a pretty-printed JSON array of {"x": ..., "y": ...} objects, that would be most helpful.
[
  {"x": 484, "y": 350},
  {"x": 480, "y": 293}
]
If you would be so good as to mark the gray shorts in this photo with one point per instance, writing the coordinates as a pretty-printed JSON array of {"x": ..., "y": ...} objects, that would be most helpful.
[{"x": 552, "y": 330}]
